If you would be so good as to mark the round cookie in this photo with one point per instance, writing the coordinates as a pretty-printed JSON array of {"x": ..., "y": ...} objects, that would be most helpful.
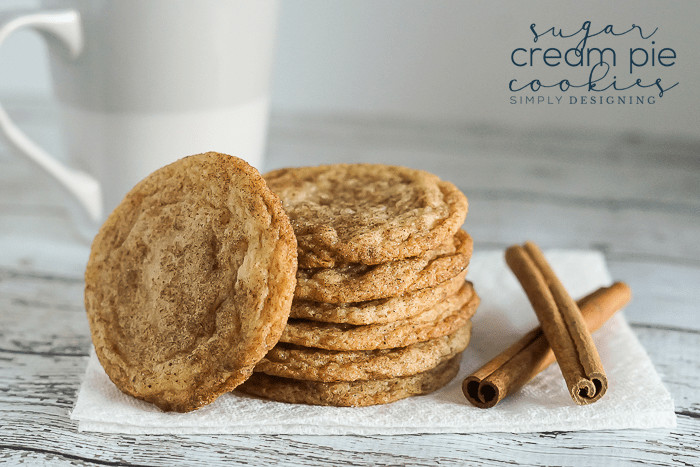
[
  {"x": 351, "y": 393},
  {"x": 311, "y": 364},
  {"x": 380, "y": 311},
  {"x": 190, "y": 281},
  {"x": 444, "y": 318},
  {"x": 360, "y": 282},
  {"x": 366, "y": 213}
]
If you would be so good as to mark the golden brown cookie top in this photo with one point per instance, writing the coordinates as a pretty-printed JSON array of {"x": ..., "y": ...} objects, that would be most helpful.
[
  {"x": 366, "y": 213},
  {"x": 190, "y": 281}
]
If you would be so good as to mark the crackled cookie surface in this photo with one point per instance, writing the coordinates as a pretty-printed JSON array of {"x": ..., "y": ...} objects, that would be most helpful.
[
  {"x": 190, "y": 281},
  {"x": 366, "y": 213}
]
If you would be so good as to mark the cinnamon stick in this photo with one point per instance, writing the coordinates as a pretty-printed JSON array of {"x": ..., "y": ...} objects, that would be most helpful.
[
  {"x": 561, "y": 322},
  {"x": 513, "y": 368}
]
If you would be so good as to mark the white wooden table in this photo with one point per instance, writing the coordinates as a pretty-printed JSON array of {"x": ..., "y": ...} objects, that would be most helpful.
[{"x": 634, "y": 197}]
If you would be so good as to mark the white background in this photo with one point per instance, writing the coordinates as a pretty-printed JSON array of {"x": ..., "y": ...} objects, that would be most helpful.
[{"x": 438, "y": 61}]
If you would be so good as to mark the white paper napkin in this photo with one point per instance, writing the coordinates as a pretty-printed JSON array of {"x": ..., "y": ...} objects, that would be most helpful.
[{"x": 636, "y": 398}]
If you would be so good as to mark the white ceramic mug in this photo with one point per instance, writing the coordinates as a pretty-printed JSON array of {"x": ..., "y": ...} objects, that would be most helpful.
[{"x": 141, "y": 83}]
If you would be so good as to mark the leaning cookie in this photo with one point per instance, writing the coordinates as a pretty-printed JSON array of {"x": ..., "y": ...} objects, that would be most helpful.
[
  {"x": 351, "y": 393},
  {"x": 306, "y": 363},
  {"x": 190, "y": 281},
  {"x": 443, "y": 319},
  {"x": 359, "y": 282},
  {"x": 366, "y": 213}
]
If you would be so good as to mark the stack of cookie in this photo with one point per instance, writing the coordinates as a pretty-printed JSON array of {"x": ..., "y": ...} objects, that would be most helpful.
[{"x": 381, "y": 309}]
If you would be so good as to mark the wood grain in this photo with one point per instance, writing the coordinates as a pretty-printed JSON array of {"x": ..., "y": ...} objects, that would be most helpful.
[{"x": 635, "y": 198}]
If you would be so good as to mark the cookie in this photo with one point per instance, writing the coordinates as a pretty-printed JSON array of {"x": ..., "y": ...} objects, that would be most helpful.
[
  {"x": 443, "y": 319},
  {"x": 190, "y": 281},
  {"x": 366, "y": 213},
  {"x": 359, "y": 282},
  {"x": 383, "y": 310},
  {"x": 311, "y": 364},
  {"x": 351, "y": 393}
]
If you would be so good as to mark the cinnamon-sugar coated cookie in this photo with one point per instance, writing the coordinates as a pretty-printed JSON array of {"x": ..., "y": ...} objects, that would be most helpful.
[
  {"x": 291, "y": 361},
  {"x": 359, "y": 282},
  {"x": 366, "y": 213},
  {"x": 444, "y": 318},
  {"x": 190, "y": 281},
  {"x": 379, "y": 311},
  {"x": 351, "y": 393}
]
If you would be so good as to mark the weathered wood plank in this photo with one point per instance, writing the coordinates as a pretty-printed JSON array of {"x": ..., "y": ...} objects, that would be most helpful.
[
  {"x": 42, "y": 314},
  {"x": 39, "y": 457},
  {"x": 649, "y": 446},
  {"x": 663, "y": 294}
]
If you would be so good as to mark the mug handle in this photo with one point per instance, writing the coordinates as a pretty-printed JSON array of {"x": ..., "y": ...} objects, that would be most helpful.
[{"x": 66, "y": 27}]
